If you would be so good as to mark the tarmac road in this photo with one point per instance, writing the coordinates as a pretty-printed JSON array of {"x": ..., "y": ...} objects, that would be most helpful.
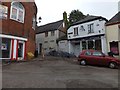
[{"x": 53, "y": 72}]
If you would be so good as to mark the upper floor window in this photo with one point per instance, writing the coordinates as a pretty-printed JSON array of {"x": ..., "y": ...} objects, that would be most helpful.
[
  {"x": 17, "y": 12},
  {"x": 34, "y": 22},
  {"x": 46, "y": 34},
  {"x": 90, "y": 28},
  {"x": 52, "y": 33},
  {"x": 75, "y": 31}
]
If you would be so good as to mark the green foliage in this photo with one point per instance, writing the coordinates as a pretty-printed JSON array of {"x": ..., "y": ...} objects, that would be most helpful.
[{"x": 75, "y": 16}]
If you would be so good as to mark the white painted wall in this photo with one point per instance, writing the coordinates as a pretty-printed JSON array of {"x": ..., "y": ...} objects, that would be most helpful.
[
  {"x": 63, "y": 45},
  {"x": 81, "y": 34},
  {"x": 51, "y": 41}
]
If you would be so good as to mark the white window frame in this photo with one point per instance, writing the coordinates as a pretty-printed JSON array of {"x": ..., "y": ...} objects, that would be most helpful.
[
  {"x": 18, "y": 9},
  {"x": 76, "y": 31}
]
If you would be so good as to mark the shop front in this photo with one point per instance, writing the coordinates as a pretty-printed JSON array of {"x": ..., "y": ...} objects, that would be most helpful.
[
  {"x": 95, "y": 43},
  {"x": 12, "y": 48}
]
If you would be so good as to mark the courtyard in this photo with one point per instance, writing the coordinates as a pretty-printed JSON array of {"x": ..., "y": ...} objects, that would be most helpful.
[{"x": 57, "y": 72}]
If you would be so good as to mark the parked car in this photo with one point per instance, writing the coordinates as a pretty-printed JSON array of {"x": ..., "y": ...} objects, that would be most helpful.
[{"x": 95, "y": 57}]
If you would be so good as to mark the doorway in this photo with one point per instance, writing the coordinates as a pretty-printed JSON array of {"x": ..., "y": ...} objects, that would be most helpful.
[
  {"x": 21, "y": 50},
  {"x": 40, "y": 48}
]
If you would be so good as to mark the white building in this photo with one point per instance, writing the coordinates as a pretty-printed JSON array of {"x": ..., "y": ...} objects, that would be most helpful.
[
  {"x": 88, "y": 33},
  {"x": 47, "y": 35}
]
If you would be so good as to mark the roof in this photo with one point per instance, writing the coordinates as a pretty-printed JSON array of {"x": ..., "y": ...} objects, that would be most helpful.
[
  {"x": 114, "y": 20},
  {"x": 88, "y": 19},
  {"x": 49, "y": 27}
]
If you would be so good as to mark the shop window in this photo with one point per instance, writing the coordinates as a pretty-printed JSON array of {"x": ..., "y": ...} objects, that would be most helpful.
[
  {"x": 114, "y": 48},
  {"x": 5, "y": 48},
  {"x": 98, "y": 45},
  {"x": 17, "y": 12},
  {"x": 90, "y": 45},
  {"x": 84, "y": 45}
]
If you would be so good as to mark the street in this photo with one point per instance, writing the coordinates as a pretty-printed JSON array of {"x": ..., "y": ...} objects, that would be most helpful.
[{"x": 57, "y": 72}]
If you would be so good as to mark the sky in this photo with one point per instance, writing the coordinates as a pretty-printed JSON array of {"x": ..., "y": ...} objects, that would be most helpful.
[{"x": 52, "y": 10}]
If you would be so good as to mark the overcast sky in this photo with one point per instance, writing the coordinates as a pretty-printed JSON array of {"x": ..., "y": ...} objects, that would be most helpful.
[{"x": 52, "y": 10}]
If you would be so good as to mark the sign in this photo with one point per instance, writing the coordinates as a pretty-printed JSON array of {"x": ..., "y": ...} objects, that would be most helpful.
[
  {"x": 4, "y": 46},
  {"x": 3, "y": 12}
]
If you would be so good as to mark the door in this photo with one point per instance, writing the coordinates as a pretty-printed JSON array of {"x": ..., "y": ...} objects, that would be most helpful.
[
  {"x": 40, "y": 48},
  {"x": 20, "y": 51},
  {"x": 99, "y": 58}
]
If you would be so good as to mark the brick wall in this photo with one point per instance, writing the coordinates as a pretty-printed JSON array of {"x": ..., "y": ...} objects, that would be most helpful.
[{"x": 12, "y": 27}]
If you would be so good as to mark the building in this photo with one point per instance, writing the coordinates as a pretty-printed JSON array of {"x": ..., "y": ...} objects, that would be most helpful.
[
  {"x": 18, "y": 23},
  {"x": 113, "y": 34},
  {"x": 88, "y": 33},
  {"x": 47, "y": 36}
]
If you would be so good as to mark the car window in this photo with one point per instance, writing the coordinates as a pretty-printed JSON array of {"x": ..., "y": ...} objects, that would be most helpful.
[
  {"x": 97, "y": 53},
  {"x": 87, "y": 53}
]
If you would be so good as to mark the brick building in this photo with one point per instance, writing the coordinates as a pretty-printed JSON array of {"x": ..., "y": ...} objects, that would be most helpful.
[{"x": 17, "y": 29}]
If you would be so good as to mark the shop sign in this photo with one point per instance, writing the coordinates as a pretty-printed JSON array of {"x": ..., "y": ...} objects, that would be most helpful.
[{"x": 4, "y": 46}]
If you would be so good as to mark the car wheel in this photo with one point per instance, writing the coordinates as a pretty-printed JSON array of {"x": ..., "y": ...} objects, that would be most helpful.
[
  {"x": 112, "y": 65},
  {"x": 82, "y": 62}
]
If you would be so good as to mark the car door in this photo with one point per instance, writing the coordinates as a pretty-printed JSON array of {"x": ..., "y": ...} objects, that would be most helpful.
[
  {"x": 88, "y": 57},
  {"x": 99, "y": 58}
]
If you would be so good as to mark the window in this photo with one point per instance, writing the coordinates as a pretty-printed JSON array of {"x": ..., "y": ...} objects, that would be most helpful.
[
  {"x": 90, "y": 28},
  {"x": 46, "y": 34},
  {"x": 46, "y": 42},
  {"x": 34, "y": 22},
  {"x": 52, "y": 33},
  {"x": 87, "y": 53},
  {"x": 97, "y": 53},
  {"x": 114, "y": 48},
  {"x": 52, "y": 41},
  {"x": 76, "y": 31},
  {"x": 3, "y": 12},
  {"x": 17, "y": 11}
]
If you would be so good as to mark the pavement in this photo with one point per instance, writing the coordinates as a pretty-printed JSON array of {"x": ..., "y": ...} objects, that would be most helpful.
[{"x": 57, "y": 72}]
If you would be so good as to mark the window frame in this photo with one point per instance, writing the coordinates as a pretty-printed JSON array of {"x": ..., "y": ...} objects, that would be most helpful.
[
  {"x": 76, "y": 31},
  {"x": 91, "y": 28},
  {"x": 46, "y": 34},
  {"x": 18, "y": 10},
  {"x": 52, "y": 33}
]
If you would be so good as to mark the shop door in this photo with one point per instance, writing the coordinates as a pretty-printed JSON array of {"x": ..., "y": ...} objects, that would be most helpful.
[{"x": 20, "y": 50}]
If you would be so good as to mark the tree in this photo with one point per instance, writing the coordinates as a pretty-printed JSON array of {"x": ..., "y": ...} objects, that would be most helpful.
[{"x": 75, "y": 16}]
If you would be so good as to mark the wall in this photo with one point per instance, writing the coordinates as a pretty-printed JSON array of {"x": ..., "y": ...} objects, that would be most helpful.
[
  {"x": 63, "y": 45},
  {"x": 111, "y": 34},
  {"x": 15, "y": 28},
  {"x": 97, "y": 29},
  {"x": 50, "y": 41}
]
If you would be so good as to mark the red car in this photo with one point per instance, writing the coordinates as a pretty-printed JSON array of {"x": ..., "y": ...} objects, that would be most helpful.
[{"x": 94, "y": 57}]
